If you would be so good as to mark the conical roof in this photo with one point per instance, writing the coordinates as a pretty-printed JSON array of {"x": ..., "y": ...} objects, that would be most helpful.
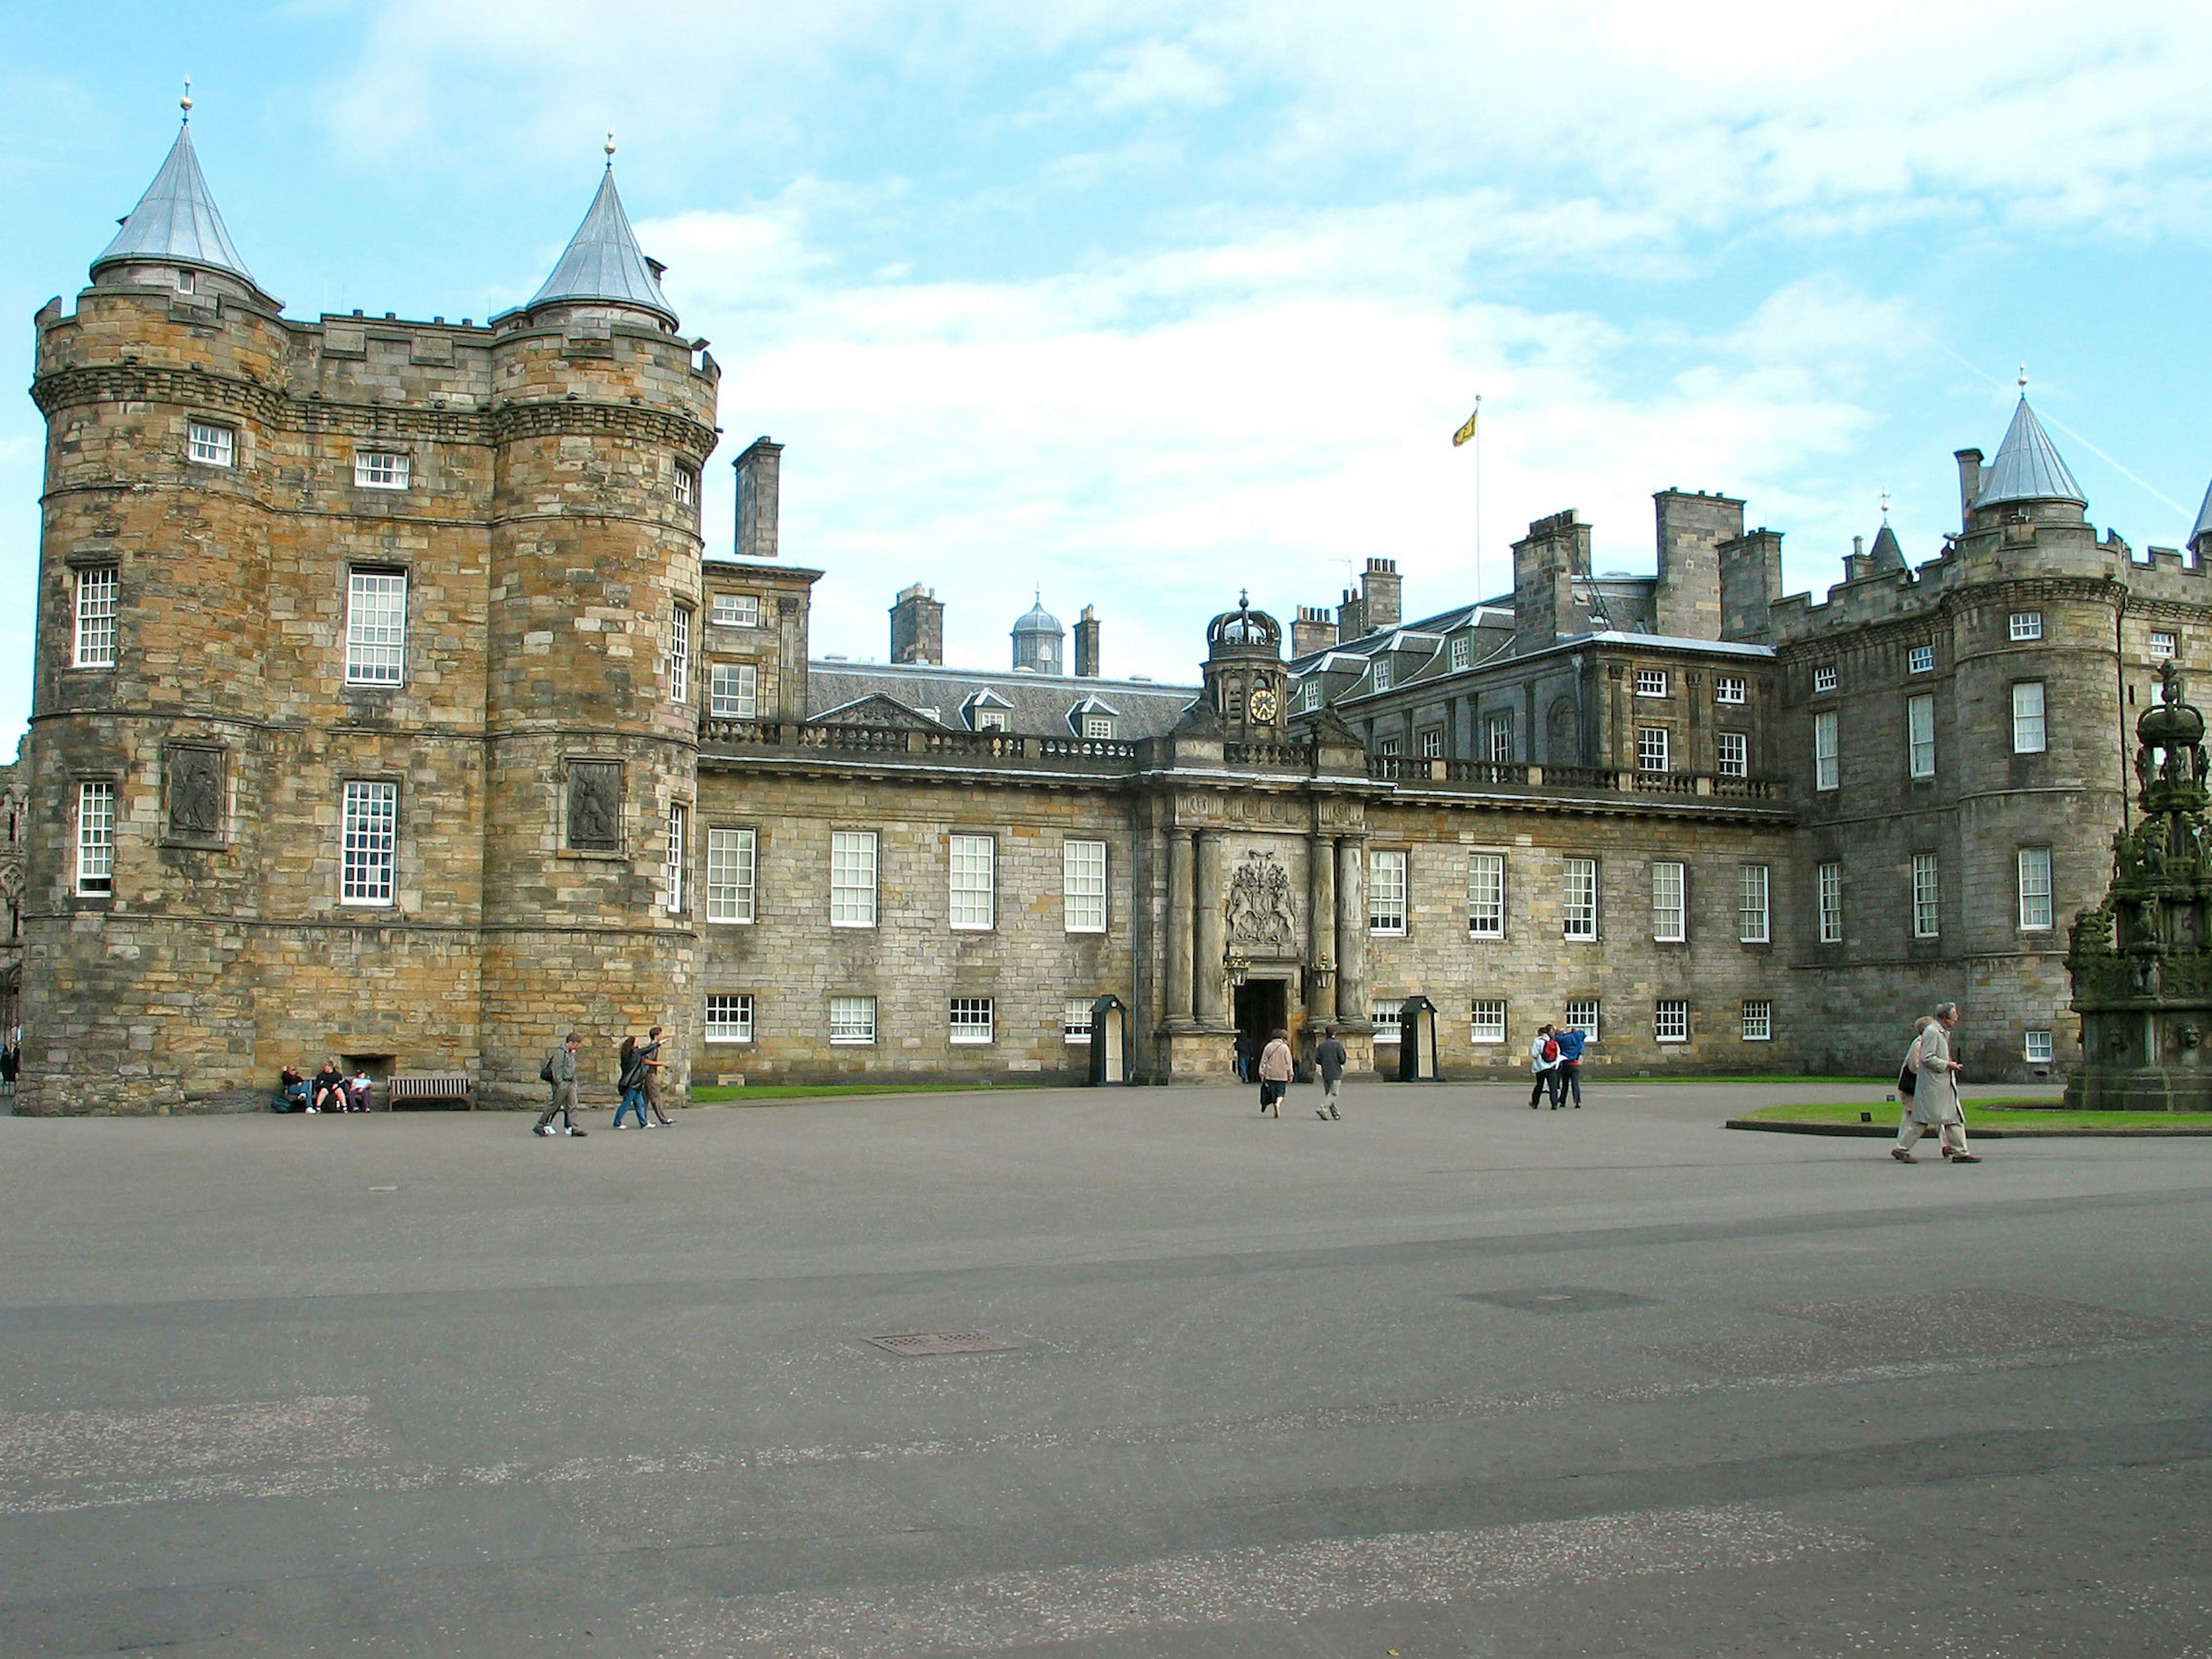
[
  {"x": 2204, "y": 518},
  {"x": 1886, "y": 552},
  {"x": 176, "y": 219},
  {"x": 603, "y": 261},
  {"x": 2027, "y": 467}
]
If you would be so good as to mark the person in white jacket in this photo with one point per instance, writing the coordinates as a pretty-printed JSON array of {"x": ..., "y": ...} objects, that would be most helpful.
[
  {"x": 1936, "y": 1094},
  {"x": 1545, "y": 1066}
]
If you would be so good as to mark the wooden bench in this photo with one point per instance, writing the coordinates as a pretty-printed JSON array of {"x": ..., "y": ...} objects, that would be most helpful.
[{"x": 423, "y": 1088}]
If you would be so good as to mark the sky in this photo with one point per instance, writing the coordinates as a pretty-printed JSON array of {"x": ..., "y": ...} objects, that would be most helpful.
[{"x": 1138, "y": 304}]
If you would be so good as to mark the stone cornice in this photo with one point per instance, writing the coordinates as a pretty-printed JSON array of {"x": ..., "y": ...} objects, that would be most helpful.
[{"x": 1849, "y": 638}]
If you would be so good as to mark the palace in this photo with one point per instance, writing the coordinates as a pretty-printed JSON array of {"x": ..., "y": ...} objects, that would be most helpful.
[{"x": 390, "y": 704}]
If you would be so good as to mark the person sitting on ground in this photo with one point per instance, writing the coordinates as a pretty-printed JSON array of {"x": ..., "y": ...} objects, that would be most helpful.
[
  {"x": 356, "y": 1091},
  {"x": 292, "y": 1090},
  {"x": 328, "y": 1094}
]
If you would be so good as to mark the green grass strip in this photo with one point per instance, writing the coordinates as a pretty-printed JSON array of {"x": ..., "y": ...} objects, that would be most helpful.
[{"x": 1999, "y": 1115}]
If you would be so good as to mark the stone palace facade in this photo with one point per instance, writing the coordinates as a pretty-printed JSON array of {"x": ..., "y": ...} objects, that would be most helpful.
[{"x": 392, "y": 704}]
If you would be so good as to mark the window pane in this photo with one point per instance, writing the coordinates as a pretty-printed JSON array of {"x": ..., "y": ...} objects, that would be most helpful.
[
  {"x": 373, "y": 470},
  {"x": 730, "y": 863},
  {"x": 852, "y": 878},
  {"x": 1758, "y": 1022},
  {"x": 1824, "y": 750},
  {"x": 1832, "y": 903},
  {"x": 1582, "y": 1015},
  {"x": 1385, "y": 1018},
  {"x": 737, "y": 609},
  {"x": 1920, "y": 735},
  {"x": 372, "y": 811},
  {"x": 1462, "y": 652},
  {"x": 1501, "y": 739},
  {"x": 1670, "y": 1022},
  {"x": 1735, "y": 755},
  {"x": 679, "y": 654},
  {"x": 733, "y": 691},
  {"x": 972, "y": 859},
  {"x": 971, "y": 1019},
  {"x": 212, "y": 445},
  {"x": 729, "y": 1018},
  {"x": 1486, "y": 1022},
  {"x": 2037, "y": 1047},
  {"x": 95, "y": 838},
  {"x": 2161, "y": 644},
  {"x": 1386, "y": 892},
  {"x": 2028, "y": 624},
  {"x": 95, "y": 618},
  {"x": 1579, "y": 898},
  {"x": 1485, "y": 895},
  {"x": 672, "y": 869},
  {"x": 1651, "y": 749},
  {"x": 376, "y": 627},
  {"x": 2028, "y": 738},
  {"x": 1666, "y": 917},
  {"x": 1751, "y": 903},
  {"x": 1650, "y": 682},
  {"x": 1083, "y": 886},
  {"x": 2035, "y": 887},
  {"x": 1925, "y": 910},
  {"x": 851, "y": 1019},
  {"x": 1075, "y": 1020},
  {"x": 1732, "y": 689}
]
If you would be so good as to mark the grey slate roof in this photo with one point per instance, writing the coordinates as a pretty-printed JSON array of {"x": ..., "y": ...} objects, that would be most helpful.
[
  {"x": 603, "y": 261},
  {"x": 1039, "y": 621},
  {"x": 1887, "y": 555},
  {"x": 2203, "y": 517},
  {"x": 176, "y": 219},
  {"x": 1037, "y": 705},
  {"x": 2027, "y": 467}
]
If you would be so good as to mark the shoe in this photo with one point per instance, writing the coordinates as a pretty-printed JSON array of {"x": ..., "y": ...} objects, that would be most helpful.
[
  {"x": 1965, "y": 1157},
  {"x": 648, "y": 1124},
  {"x": 540, "y": 1130},
  {"x": 313, "y": 1112},
  {"x": 1902, "y": 1156},
  {"x": 1333, "y": 1115},
  {"x": 579, "y": 1134},
  {"x": 622, "y": 1125}
]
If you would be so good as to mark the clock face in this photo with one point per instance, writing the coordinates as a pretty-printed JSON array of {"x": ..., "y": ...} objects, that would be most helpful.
[{"x": 1263, "y": 704}]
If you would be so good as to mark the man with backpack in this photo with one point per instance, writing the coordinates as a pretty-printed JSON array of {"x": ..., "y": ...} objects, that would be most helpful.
[
  {"x": 560, "y": 1071},
  {"x": 1544, "y": 1061}
]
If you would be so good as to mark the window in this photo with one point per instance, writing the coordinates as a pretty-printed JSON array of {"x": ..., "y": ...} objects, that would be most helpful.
[
  {"x": 1386, "y": 746},
  {"x": 2027, "y": 625},
  {"x": 1075, "y": 1020},
  {"x": 1670, "y": 1022},
  {"x": 1751, "y": 905},
  {"x": 1501, "y": 739},
  {"x": 211, "y": 445},
  {"x": 1921, "y": 659},
  {"x": 990, "y": 720},
  {"x": 1824, "y": 750},
  {"x": 679, "y": 653},
  {"x": 1580, "y": 898},
  {"x": 1312, "y": 694},
  {"x": 1925, "y": 893},
  {"x": 2037, "y": 1047},
  {"x": 1731, "y": 688},
  {"x": 971, "y": 1019},
  {"x": 1485, "y": 895},
  {"x": 1462, "y": 652},
  {"x": 2161, "y": 646},
  {"x": 1823, "y": 679},
  {"x": 1381, "y": 673},
  {"x": 686, "y": 488},
  {"x": 1083, "y": 886},
  {"x": 2035, "y": 887},
  {"x": 1582, "y": 1015},
  {"x": 732, "y": 691},
  {"x": 1386, "y": 1016},
  {"x": 679, "y": 817},
  {"x": 1650, "y": 682},
  {"x": 1758, "y": 1022},
  {"x": 1486, "y": 1021},
  {"x": 376, "y": 627},
  {"x": 95, "y": 838},
  {"x": 1920, "y": 736},
  {"x": 1432, "y": 743},
  {"x": 972, "y": 871},
  {"x": 1668, "y": 920},
  {"x": 1386, "y": 892},
  {"x": 1832, "y": 904},
  {"x": 737, "y": 611},
  {"x": 851, "y": 1019},
  {"x": 1732, "y": 755},
  {"x": 729, "y": 1018},
  {"x": 380, "y": 469},
  {"x": 2027, "y": 731},
  {"x": 372, "y": 815},
  {"x": 1098, "y": 726},
  {"x": 1651, "y": 749},
  {"x": 733, "y": 859},
  {"x": 187, "y": 283},
  {"x": 852, "y": 878},
  {"x": 95, "y": 618}
]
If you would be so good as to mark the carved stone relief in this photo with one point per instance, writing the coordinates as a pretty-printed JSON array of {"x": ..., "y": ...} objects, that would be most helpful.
[
  {"x": 1260, "y": 912},
  {"x": 195, "y": 779},
  {"x": 595, "y": 806}
]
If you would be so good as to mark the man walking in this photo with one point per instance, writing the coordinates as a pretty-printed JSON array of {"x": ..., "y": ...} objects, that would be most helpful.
[
  {"x": 650, "y": 1054},
  {"x": 1572, "y": 1041},
  {"x": 560, "y": 1071},
  {"x": 1544, "y": 1061},
  {"x": 1936, "y": 1096},
  {"x": 1328, "y": 1057}
]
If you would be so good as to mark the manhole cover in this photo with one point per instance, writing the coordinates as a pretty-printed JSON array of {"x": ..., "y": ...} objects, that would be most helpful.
[
  {"x": 1559, "y": 1298},
  {"x": 923, "y": 1345}
]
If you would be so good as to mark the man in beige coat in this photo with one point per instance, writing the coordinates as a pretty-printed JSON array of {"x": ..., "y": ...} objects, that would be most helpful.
[{"x": 1935, "y": 1096}]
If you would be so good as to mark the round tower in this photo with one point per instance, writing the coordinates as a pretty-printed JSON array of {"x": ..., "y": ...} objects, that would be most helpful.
[{"x": 602, "y": 420}]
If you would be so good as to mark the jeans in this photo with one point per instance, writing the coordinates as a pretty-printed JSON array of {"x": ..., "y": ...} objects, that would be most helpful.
[
  {"x": 632, "y": 1100},
  {"x": 1570, "y": 1077}
]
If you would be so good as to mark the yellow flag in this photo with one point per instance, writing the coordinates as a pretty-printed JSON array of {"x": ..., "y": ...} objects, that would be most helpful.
[{"x": 1467, "y": 431}]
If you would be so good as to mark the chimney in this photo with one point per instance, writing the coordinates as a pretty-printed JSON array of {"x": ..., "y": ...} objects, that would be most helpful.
[
  {"x": 1686, "y": 598},
  {"x": 917, "y": 626},
  {"x": 1351, "y": 617},
  {"x": 1313, "y": 631},
  {"x": 1379, "y": 592},
  {"x": 1751, "y": 580},
  {"x": 1858, "y": 545},
  {"x": 1970, "y": 484},
  {"x": 759, "y": 472},
  {"x": 1546, "y": 563},
  {"x": 1086, "y": 644}
]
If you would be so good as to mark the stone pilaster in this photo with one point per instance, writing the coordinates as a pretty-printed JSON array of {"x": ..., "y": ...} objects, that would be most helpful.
[
  {"x": 1180, "y": 927},
  {"x": 1209, "y": 949},
  {"x": 1351, "y": 928},
  {"x": 1321, "y": 926}
]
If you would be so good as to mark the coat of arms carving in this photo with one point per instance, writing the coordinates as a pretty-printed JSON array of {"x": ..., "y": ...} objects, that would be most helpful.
[{"x": 1259, "y": 906}]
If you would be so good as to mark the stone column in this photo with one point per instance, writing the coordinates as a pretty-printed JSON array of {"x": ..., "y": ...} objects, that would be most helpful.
[
  {"x": 1207, "y": 967},
  {"x": 1321, "y": 925},
  {"x": 1351, "y": 928},
  {"x": 1179, "y": 928}
]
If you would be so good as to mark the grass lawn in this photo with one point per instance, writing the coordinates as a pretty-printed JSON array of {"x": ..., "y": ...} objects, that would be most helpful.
[
  {"x": 716, "y": 1095},
  {"x": 1997, "y": 1116}
]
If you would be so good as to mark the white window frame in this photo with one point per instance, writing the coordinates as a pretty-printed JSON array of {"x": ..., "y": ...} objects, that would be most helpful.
[
  {"x": 96, "y": 590},
  {"x": 971, "y": 875},
  {"x": 1380, "y": 674},
  {"x": 1670, "y": 913},
  {"x": 733, "y": 690},
  {"x": 1075, "y": 1021},
  {"x": 1311, "y": 694},
  {"x": 1654, "y": 751},
  {"x": 672, "y": 868},
  {"x": 685, "y": 487},
  {"x": 1462, "y": 652},
  {"x": 2035, "y": 1048},
  {"x": 1486, "y": 1020},
  {"x": 1920, "y": 659},
  {"x": 1927, "y": 895},
  {"x": 1583, "y": 1016},
  {"x": 971, "y": 1022},
  {"x": 1388, "y": 1019},
  {"x": 376, "y": 628},
  {"x": 1670, "y": 1020},
  {"x": 1831, "y": 902},
  {"x": 1099, "y": 728},
  {"x": 1754, "y": 914},
  {"x": 1433, "y": 742},
  {"x": 1578, "y": 893},
  {"x": 853, "y": 878},
  {"x": 2024, "y": 625},
  {"x": 1083, "y": 886},
  {"x": 990, "y": 720},
  {"x": 735, "y": 1021},
  {"x": 95, "y": 838},
  {"x": 1387, "y": 892},
  {"x": 1758, "y": 1020},
  {"x": 1920, "y": 735},
  {"x": 382, "y": 469},
  {"x": 1732, "y": 754},
  {"x": 852, "y": 1020},
  {"x": 1732, "y": 688},
  {"x": 2032, "y": 868},
  {"x": 2163, "y": 645},
  {"x": 736, "y": 610},
  {"x": 1827, "y": 768},
  {"x": 679, "y": 653},
  {"x": 1485, "y": 895},
  {"x": 368, "y": 819},
  {"x": 1501, "y": 740},
  {"x": 1824, "y": 677},
  {"x": 2030, "y": 733},
  {"x": 207, "y": 444},
  {"x": 1650, "y": 682},
  {"x": 732, "y": 873}
]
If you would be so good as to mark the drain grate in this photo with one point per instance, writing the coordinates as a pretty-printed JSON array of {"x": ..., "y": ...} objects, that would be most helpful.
[
  {"x": 1559, "y": 1298},
  {"x": 924, "y": 1345}
]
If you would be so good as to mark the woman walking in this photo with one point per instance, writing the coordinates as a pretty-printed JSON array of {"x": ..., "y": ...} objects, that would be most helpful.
[
  {"x": 630, "y": 1079},
  {"x": 1544, "y": 1061},
  {"x": 1275, "y": 1069},
  {"x": 1935, "y": 1093}
]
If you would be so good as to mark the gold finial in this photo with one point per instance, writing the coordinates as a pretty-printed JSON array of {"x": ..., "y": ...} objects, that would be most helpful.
[
  {"x": 184, "y": 103},
  {"x": 2023, "y": 380},
  {"x": 1885, "y": 507},
  {"x": 610, "y": 147}
]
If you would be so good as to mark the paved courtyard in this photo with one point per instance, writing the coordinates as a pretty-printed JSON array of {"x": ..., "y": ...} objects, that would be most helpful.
[{"x": 1448, "y": 1378}]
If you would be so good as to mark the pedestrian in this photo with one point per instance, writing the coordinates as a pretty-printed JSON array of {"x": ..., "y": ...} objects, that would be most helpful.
[
  {"x": 1328, "y": 1057},
  {"x": 11, "y": 1068},
  {"x": 1544, "y": 1061},
  {"x": 1275, "y": 1067},
  {"x": 1935, "y": 1093},
  {"x": 655, "y": 1065},
  {"x": 1908, "y": 1073},
  {"x": 630, "y": 1079},
  {"x": 560, "y": 1071},
  {"x": 1572, "y": 1041},
  {"x": 1243, "y": 1056}
]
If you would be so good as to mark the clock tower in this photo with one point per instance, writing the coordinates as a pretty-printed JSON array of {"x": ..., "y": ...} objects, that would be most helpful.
[{"x": 1245, "y": 684}]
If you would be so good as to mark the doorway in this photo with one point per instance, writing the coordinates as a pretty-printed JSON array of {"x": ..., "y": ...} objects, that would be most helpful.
[{"x": 1262, "y": 1008}]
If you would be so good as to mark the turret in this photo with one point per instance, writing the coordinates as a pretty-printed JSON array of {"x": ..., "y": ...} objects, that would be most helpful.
[
  {"x": 1037, "y": 639},
  {"x": 2028, "y": 481}
]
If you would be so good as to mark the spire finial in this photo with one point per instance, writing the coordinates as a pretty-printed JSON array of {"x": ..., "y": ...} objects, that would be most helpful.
[
  {"x": 1885, "y": 507},
  {"x": 1243, "y": 599},
  {"x": 611, "y": 148},
  {"x": 2023, "y": 380},
  {"x": 184, "y": 103}
]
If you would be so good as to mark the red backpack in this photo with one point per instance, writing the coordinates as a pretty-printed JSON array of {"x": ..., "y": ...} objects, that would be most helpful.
[{"x": 1551, "y": 1047}]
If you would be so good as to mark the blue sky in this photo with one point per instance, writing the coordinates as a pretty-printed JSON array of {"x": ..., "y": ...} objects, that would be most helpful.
[{"x": 1138, "y": 303}]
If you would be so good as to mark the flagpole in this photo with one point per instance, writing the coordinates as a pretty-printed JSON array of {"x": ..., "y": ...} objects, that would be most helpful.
[{"x": 1478, "y": 498}]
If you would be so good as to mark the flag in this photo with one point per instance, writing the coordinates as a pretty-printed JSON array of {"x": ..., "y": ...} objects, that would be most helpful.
[{"x": 1467, "y": 431}]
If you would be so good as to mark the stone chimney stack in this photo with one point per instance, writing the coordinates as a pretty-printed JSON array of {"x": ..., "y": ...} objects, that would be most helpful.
[
  {"x": 1351, "y": 617},
  {"x": 1546, "y": 563},
  {"x": 1751, "y": 580},
  {"x": 1970, "y": 484},
  {"x": 1313, "y": 631},
  {"x": 1686, "y": 599},
  {"x": 759, "y": 471},
  {"x": 1379, "y": 592},
  {"x": 917, "y": 626},
  {"x": 1086, "y": 644}
]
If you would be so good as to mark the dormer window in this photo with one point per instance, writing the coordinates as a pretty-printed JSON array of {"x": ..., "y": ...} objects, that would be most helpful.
[
  {"x": 1312, "y": 694},
  {"x": 1462, "y": 652},
  {"x": 1382, "y": 673},
  {"x": 1098, "y": 726},
  {"x": 990, "y": 720}
]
